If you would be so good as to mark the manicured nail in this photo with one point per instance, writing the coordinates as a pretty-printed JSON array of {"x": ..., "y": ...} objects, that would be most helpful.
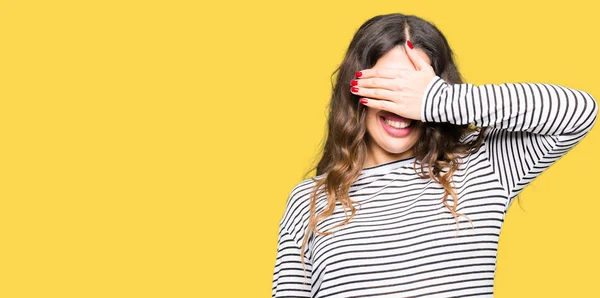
[
  {"x": 354, "y": 83},
  {"x": 354, "y": 89},
  {"x": 358, "y": 74},
  {"x": 363, "y": 101},
  {"x": 409, "y": 44}
]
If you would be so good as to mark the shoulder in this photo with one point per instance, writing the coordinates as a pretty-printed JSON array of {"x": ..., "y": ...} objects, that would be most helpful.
[{"x": 297, "y": 208}]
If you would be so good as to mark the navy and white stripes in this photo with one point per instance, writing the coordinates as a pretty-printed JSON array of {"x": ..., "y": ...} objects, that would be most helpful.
[{"x": 402, "y": 241}]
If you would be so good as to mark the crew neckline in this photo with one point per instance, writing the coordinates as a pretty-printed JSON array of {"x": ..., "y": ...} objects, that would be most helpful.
[{"x": 386, "y": 167}]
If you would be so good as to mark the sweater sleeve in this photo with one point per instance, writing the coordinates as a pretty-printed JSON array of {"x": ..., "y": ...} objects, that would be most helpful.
[
  {"x": 289, "y": 277},
  {"x": 531, "y": 125}
]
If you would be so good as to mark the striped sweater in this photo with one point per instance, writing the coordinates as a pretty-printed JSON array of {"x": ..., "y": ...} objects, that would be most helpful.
[{"x": 403, "y": 241}]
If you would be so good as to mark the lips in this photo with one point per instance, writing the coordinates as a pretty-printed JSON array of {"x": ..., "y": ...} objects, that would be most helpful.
[{"x": 391, "y": 130}]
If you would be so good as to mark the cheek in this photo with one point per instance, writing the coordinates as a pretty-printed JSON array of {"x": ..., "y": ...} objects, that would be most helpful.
[
  {"x": 372, "y": 118},
  {"x": 371, "y": 112}
]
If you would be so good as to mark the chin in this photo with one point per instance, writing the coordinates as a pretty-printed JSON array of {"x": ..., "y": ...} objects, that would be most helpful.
[
  {"x": 398, "y": 146},
  {"x": 395, "y": 149}
]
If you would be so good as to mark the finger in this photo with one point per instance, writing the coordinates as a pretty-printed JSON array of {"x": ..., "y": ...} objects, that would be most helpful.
[
  {"x": 395, "y": 84},
  {"x": 373, "y": 92},
  {"x": 385, "y": 105},
  {"x": 414, "y": 57},
  {"x": 388, "y": 73}
]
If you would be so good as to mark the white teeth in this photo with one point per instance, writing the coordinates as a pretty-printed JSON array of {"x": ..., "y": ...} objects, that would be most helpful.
[{"x": 397, "y": 124}]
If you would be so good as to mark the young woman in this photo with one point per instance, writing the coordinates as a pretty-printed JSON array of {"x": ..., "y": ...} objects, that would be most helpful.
[{"x": 418, "y": 170}]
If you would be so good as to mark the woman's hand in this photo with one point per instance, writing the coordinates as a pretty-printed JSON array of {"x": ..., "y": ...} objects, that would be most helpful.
[{"x": 400, "y": 91}]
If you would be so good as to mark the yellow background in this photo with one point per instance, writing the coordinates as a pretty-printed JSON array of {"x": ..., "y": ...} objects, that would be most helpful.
[{"x": 148, "y": 147}]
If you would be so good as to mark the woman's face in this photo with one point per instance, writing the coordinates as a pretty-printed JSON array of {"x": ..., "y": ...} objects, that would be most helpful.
[{"x": 388, "y": 143}]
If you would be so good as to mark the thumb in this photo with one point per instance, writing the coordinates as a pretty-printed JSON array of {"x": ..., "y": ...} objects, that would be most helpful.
[{"x": 419, "y": 62}]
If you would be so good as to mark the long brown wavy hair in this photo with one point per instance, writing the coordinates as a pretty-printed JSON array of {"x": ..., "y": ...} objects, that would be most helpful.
[{"x": 345, "y": 148}]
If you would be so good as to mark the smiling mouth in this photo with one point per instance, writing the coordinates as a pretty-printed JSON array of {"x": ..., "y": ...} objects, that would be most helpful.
[{"x": 397, "y": 124}]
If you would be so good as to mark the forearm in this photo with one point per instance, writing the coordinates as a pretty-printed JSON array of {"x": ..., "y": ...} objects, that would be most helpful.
[{"x": 533, "y": 107}]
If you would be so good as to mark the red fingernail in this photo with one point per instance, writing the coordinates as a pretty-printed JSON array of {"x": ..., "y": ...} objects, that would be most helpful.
[
  {"x": 354, "y": 89},
  {"x": 354, "y": 83},
  {"x": 358, "y": 74},
  {"x": 363, "y": 101},
  {"x": 409, "y": 44}
]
